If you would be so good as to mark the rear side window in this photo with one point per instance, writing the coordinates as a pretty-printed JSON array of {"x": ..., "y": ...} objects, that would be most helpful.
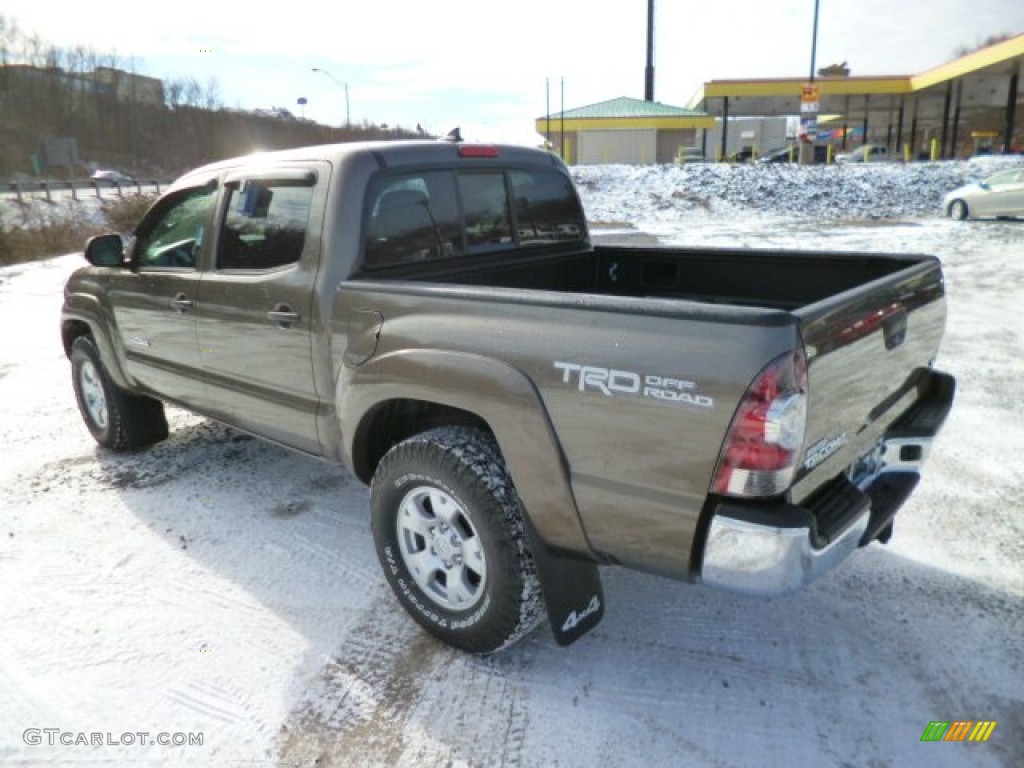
[
  {"x": 546, "y": 207},
  {"x": 265, "y": 224},
  {"x": 429, "y": 215}
]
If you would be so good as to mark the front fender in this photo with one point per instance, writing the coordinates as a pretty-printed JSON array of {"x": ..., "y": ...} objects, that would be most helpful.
[
  {"x": 83, "y": 309},
  {"x": 499, "y": 394}
]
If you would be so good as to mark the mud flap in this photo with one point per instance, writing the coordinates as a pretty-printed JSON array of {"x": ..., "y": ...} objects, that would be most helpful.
[{"x": 572, "y": 591}]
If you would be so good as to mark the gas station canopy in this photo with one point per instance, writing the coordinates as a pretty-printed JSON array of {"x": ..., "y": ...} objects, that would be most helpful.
[{"x": 901, "y": 108}]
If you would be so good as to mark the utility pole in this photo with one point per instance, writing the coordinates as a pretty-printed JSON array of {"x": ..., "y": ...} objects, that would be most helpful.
[
  {"x": 561, "y": 130},
  {"x": 649, "y": 72},
  {"x": 547, "y": 112},
  {"x": 809, "y": 103}
]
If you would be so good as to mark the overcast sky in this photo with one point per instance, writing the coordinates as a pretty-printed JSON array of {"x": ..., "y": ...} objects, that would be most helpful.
[{"x": 442, "y": 63}]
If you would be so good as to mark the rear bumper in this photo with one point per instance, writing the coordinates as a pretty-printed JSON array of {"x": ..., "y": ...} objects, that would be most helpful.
[{"x": 777, "y": 547}]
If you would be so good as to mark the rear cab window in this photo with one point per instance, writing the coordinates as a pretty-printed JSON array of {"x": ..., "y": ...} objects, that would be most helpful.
[{"x": 428, "y": 215}]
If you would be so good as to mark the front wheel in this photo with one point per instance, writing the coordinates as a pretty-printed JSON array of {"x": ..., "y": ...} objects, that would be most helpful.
[
  {"x": 115, "y": 418},
  {"x": 958, "y": 210},
  {"x": 449, "y": 532}
]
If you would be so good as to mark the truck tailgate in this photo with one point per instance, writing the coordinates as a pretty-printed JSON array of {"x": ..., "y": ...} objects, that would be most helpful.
[{"x": 868, "y": 352}]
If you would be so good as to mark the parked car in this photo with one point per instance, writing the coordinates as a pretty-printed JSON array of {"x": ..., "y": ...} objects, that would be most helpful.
[
  {"x": 113, "y": 177},
  {"x": 525, "y": 404},
  {"x": 690, "y": 155},
  {"x": 744, "y": 155},
  {"x": 791, "y": 154},
  {"x": 868, "y": 153},
  {"x": 780, "y": 155},
  {"x": 1001, "y": 194}
]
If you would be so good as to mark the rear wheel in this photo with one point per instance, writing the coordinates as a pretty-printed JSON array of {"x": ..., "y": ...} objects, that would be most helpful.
[
  {"x": 449, "y": 532},
  {"x": 115, "y": 418},
  {"x": 958, "y": 210}
]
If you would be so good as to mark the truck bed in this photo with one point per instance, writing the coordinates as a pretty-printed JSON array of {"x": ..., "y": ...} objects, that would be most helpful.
[{"x": 767, "y": 279}]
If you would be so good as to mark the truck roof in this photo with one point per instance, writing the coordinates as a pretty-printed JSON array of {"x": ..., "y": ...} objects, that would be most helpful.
[{"x": 388, "y": 153}]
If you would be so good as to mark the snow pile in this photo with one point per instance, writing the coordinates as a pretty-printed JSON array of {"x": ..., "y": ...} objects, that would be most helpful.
[{"x": 651, "y": 196}]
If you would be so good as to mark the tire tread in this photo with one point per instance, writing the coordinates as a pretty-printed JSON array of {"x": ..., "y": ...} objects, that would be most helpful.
[
  {"x": 135, "y": 420},
  {"x": 472, "y": 457}
]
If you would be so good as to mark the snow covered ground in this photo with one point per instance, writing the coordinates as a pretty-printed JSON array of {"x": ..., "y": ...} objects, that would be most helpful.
[{"x": 217, "y": 585}]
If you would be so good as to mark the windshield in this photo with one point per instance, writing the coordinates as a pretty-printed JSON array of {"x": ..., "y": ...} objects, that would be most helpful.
[{"x": 1003, "y": 177}]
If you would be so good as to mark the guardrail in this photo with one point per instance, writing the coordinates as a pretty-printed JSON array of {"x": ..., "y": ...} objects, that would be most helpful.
[{"x": 45, "y": 190}]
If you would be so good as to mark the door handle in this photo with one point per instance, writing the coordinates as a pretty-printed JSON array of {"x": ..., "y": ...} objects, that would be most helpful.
[
  {"x": 282, "y": 316},
  {"x": 181, "y": 302}
]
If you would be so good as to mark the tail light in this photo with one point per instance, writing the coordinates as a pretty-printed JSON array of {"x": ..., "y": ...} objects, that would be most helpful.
[
  {"x": 477, "y": 150},
  {"x": 763, "y": 444}
]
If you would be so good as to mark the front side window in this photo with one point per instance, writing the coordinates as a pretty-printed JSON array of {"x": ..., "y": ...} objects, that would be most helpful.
[
  {"x": 265, "y": 224},
  {"x": 173, "y": 236},
  {"x": 1001, "y": 178}
]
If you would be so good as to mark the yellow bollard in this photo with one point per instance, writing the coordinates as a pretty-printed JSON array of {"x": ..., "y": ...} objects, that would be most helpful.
[
  {"x": 906, "y": 153},
  {"x": 935, "y": 150},
  {"x": 830, "y": 155}
]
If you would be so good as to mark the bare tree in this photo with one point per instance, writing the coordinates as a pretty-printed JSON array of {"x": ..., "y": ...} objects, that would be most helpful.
[
  {"x": 211, "y": 95},
  {"x": 192, "y": 92},
  {"x": 173, "y": 92},
  {"x": 963, "y": 50}
]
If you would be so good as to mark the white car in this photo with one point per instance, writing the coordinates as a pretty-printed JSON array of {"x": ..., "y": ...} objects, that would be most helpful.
[
  {"x": 1001, "y": 194},
  {"x": 114, "y": 177},
  {"x": 869, "y": 153}
]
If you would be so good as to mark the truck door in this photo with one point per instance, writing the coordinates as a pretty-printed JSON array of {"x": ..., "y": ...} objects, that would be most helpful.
[
  {"x": 254, "y": 316},
  {"x": 154, "y": 302}
]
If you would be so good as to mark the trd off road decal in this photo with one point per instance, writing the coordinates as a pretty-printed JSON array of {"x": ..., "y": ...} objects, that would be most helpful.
[{"x": 611, "y": 382}]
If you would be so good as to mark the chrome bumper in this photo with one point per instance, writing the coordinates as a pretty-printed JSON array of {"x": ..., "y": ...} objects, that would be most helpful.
[{"x": 765, "y": 560}]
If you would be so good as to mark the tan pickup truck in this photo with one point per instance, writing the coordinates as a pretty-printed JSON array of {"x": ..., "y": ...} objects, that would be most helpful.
[{"x": 525, "y": 404}]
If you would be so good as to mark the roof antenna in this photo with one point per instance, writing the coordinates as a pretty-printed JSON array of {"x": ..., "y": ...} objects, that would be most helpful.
[{"x": 454, "y": 136}]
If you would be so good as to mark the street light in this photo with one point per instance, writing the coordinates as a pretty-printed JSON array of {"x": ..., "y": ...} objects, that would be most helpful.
[{"x": 348, "y": 119}]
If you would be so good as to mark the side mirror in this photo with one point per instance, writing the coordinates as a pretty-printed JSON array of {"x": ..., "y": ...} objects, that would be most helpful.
[
  {"x": 105, "y": 251},
  {"x": 984, "y": 185}
]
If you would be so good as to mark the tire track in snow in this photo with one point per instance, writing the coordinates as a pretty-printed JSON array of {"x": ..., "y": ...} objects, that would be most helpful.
[
  {"x": 211, "y": 700},
  {"x": 187, "y": 594},
  {"x": 331, "y": 558},
  {"x": 392, "y": 695}
]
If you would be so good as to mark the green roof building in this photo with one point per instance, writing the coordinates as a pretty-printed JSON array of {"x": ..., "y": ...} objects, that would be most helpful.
[{"x": 623, "y": 130}]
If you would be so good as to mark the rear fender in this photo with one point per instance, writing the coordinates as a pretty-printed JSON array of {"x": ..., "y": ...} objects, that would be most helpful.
[
  {"x": 500, "y": 395},
  {"x": 508, "y": 402}
]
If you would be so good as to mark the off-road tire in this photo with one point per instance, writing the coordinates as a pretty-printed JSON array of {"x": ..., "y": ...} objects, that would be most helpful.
[
  {"x": 116, "y": 419},
  {"x": 454, "y": 479}
]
